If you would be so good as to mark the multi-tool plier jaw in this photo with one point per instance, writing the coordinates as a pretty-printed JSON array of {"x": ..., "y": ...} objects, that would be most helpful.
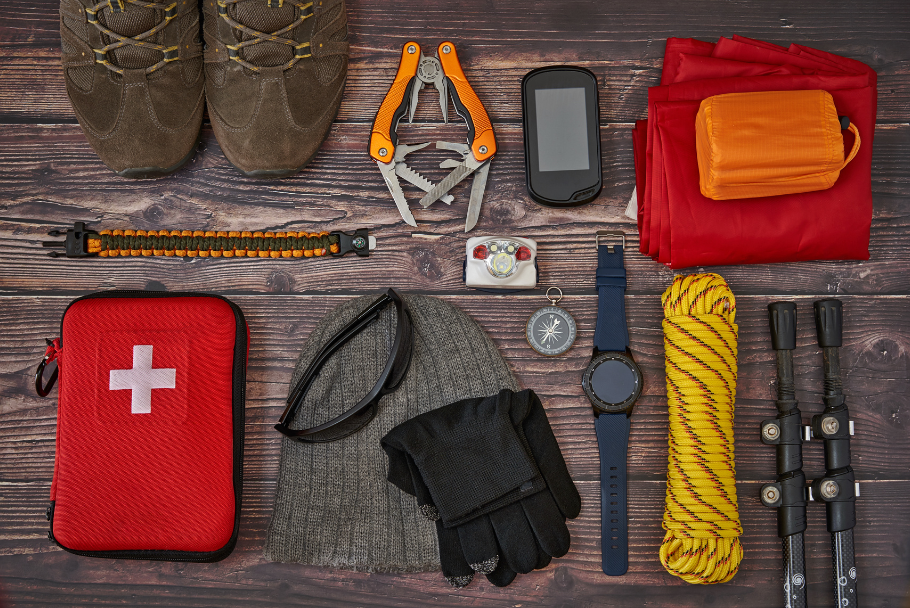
[{"x": 445, "y": 73}]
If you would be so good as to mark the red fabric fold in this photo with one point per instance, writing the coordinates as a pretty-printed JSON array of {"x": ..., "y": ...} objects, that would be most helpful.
[{"x": 679, "y": 227}]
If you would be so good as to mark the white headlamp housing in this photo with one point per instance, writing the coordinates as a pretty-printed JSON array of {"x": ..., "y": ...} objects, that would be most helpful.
[{"x": 501, "y": 262}]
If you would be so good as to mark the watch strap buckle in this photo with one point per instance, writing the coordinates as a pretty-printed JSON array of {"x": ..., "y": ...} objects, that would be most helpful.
[{"x": 606, "y": 234}]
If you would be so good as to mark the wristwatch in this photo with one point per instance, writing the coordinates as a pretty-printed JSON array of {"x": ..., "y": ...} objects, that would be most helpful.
[{"x": 613, "y": 382}]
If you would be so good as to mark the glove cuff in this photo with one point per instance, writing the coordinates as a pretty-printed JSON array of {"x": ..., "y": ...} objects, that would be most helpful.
[{"x": 470, "y": 455}]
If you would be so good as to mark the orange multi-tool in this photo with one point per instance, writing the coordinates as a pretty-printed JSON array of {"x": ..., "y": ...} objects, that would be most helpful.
[{"x": 445, "y": 73}]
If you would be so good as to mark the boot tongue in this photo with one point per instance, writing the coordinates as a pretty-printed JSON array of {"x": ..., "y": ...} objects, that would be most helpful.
[
  {"x": 258, "y": 15},
  {"x": 133, "y": 21}
]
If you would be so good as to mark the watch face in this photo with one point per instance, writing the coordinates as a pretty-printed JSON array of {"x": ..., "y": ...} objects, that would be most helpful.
[
  {"x": 550, "y": 331},
  {"x": 612, "y": 382}
]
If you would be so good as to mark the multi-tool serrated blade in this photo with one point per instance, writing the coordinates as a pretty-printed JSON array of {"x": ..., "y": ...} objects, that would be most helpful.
[
  {"x": 409, "y": 175},
  {"x": 461, "y": 171},
  {"x": 391, "y": 180},
  {"x": 405, "y": 172}
]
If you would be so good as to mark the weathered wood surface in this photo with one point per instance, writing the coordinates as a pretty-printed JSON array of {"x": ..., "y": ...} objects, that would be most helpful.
[
  {"x": 49, "y": 178},
  {"x": 501, "y": 41},
  {"x": 876, "y": 371},
  {"x": 46, "y": 577},
  {"x": 875, "y": 360},
  {"x": 48, "y": 187}
]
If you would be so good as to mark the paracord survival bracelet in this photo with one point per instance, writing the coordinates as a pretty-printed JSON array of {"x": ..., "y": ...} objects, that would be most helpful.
[{"x": 83, "y": 243}]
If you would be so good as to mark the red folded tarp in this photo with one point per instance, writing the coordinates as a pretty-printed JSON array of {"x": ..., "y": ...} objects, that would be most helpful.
[{"x": 679, "y": 227}]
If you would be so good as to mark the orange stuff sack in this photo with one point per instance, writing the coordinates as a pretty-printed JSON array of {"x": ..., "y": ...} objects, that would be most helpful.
[{"x": 769, "y": 143}]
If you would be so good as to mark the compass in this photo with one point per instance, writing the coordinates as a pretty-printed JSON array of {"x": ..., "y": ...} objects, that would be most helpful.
[{"x": 551, "y": 329}]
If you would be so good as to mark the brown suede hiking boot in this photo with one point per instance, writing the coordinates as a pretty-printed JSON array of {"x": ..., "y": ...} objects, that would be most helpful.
[
  {"x": 275, "y": 72},
  {"x": 133, "y": 72}
]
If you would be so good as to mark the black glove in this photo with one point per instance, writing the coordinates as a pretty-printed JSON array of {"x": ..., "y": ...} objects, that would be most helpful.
[
  {"x": 454, "y": 561},
  {"x": 491, "y": 473}
]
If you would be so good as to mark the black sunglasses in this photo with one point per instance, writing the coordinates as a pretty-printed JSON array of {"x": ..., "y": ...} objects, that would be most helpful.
[{"x": 393, "y": 373}]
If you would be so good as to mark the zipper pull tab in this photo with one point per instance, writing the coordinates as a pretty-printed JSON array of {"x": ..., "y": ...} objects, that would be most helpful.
[
  {"x": 75, "y": 245},
  {"x": 53, "y": 351}
]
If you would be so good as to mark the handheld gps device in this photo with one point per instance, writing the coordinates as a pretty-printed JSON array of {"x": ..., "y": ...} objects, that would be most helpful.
[{"x": 562, "y": 135}]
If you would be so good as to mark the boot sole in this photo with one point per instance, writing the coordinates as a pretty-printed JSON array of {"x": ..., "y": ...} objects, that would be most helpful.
[
  {"x": 156, "y": 172},
  {"x": 277, "y": 173}
]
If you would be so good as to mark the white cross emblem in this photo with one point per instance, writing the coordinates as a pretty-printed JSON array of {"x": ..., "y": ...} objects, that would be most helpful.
[{"x": 142, "y": 379}]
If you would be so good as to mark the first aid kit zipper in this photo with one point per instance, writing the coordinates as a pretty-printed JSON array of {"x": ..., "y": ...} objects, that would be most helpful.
[{"x": 238, "y": 400}]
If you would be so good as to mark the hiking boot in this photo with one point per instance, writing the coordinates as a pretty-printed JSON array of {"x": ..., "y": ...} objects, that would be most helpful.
[
  {"x": 133, "y": 72},
  {"x": 275, "y": 72}
]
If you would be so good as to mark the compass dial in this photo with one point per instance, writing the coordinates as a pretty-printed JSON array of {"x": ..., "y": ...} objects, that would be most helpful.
[{"x": 551, "y": 331}]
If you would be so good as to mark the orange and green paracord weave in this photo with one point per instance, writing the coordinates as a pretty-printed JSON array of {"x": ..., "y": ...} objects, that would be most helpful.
[
  {"x": 193, "y": 243},
  {"x": 701, "y": 516}
]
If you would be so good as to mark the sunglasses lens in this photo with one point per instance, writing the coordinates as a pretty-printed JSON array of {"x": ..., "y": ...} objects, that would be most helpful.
[
  {"x": 342, "y": 429},
  {"x": 403, "y": 356},
  {"x": 401, "y": 360}
]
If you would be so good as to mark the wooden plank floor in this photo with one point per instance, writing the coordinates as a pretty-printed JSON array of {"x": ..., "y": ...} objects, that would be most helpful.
[{"x": 49, "y": 178}]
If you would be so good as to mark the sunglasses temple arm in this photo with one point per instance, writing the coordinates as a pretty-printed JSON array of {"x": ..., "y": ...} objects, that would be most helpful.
[
  {"x": 356, "y": 325},
  {"x": 337, "y": 342},
  {"x": 352, "y": 329}
]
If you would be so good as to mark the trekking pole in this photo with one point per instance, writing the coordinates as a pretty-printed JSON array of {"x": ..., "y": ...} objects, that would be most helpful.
[
  {"x": 788, "y": 493},
  {"x": 838, "y": 488}
]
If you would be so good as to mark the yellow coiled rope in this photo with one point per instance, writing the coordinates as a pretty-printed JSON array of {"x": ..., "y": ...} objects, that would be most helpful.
[{"x": 701, "y": 517}]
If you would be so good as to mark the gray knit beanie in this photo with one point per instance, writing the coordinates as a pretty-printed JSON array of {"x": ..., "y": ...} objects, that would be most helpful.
[{"x": 334, "y": 506}]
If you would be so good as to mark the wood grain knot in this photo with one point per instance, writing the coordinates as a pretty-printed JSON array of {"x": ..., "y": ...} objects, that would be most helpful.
[
  {"x": 504, "y": 214},
  {"x": 427, "y": 263},
  {"x": 154, "y": 214},
  {"x": 279, "y": 282},
  {"x": 562, "y": 578}
]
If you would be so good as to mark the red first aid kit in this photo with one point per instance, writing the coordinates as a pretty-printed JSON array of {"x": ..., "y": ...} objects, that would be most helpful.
[{"x": 149, "y": 426}]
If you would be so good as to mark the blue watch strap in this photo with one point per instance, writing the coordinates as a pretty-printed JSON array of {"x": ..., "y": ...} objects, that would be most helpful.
[
  {"x": 613, "y": 441},
  {"x": 611, "y": 332}
]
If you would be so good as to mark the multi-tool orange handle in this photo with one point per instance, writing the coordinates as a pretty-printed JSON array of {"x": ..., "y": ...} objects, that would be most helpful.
[
  {"x": 467, "y": 104},
  {"x": 383, "y": 139}
]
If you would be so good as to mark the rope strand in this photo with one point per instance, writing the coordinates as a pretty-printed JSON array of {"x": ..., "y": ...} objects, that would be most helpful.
[
  {"x": 701, "y": 518},
  {"x": 192, "y": 243}
]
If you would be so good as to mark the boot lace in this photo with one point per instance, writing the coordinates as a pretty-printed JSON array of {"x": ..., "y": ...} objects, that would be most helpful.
[
  {"x": 102, "y": 55},
  {"x": 301, "y": 50}
]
